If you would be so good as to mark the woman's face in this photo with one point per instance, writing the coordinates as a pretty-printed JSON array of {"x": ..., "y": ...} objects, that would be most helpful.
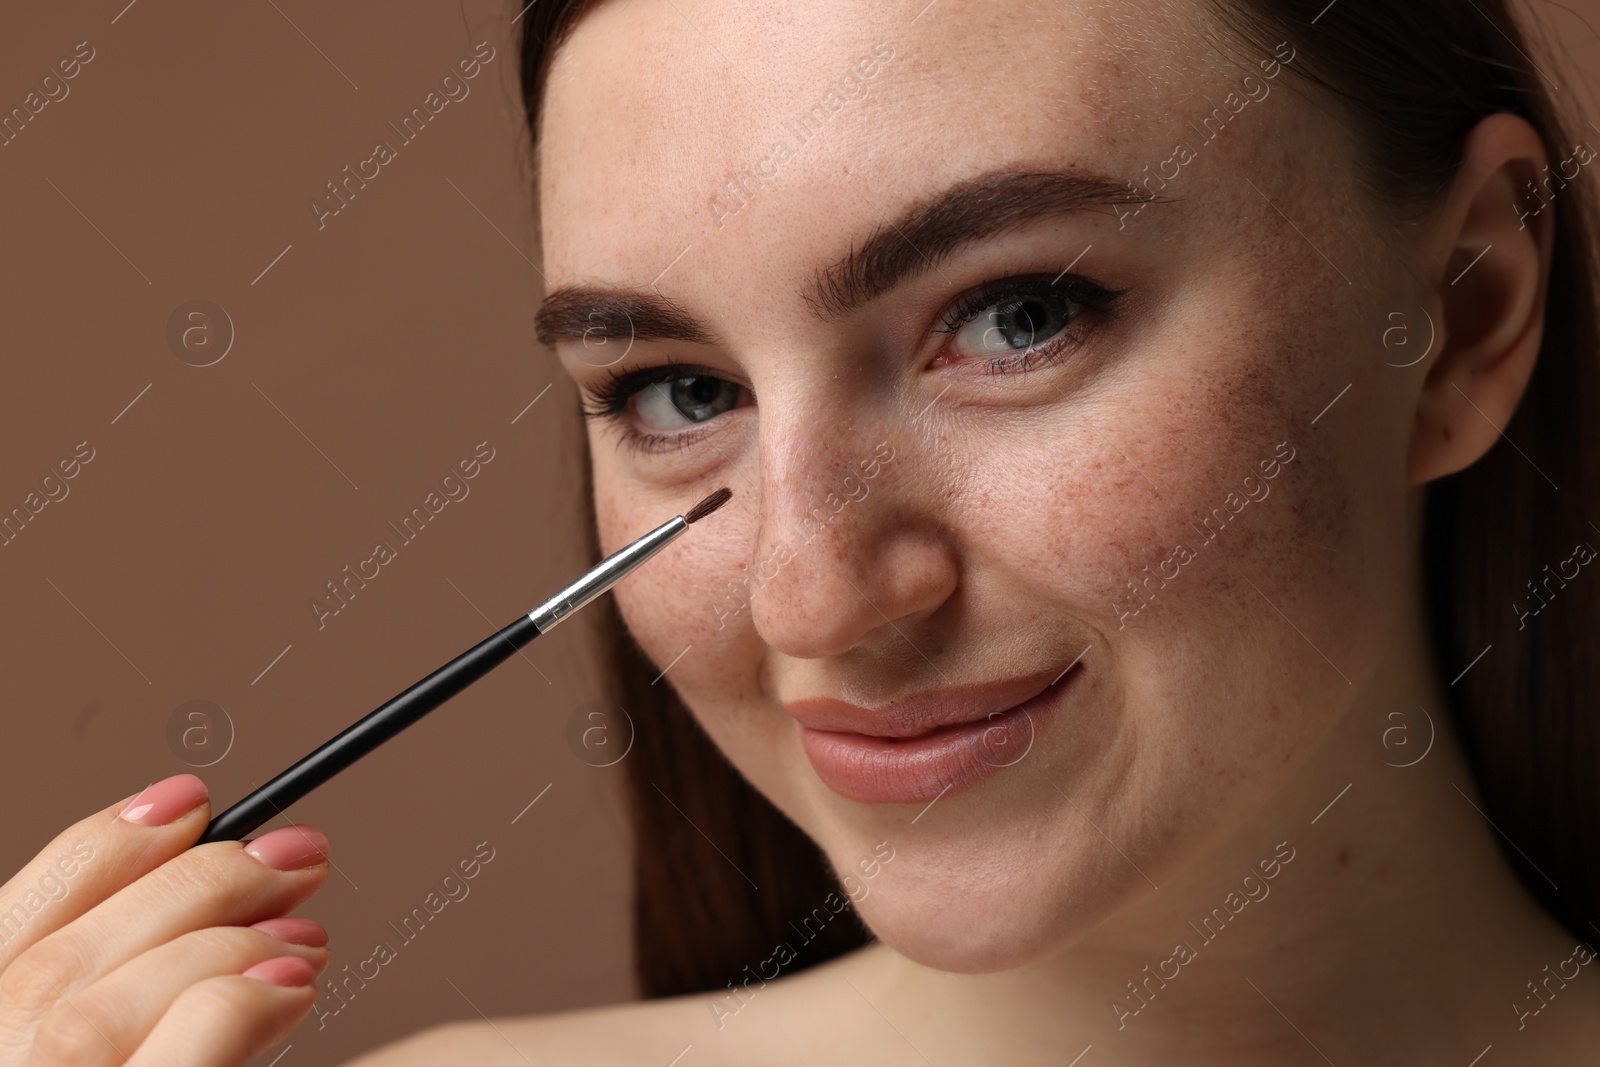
[{"x": 984, "y": 421}]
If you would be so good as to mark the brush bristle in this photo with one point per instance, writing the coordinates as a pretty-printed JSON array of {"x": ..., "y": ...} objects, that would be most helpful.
[{"x": 708, "y": 505}]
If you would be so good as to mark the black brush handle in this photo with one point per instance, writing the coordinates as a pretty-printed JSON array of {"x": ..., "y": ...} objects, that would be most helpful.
[{"x": 369, "y": 732}]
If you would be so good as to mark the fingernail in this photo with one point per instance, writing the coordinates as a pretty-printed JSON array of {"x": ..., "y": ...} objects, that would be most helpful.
[
  {"x": 284, "y": 971},
  {"x": 294, "y": 930},
  {"x": 163, "y": 802},
  {"x": 289, "y": 848}
]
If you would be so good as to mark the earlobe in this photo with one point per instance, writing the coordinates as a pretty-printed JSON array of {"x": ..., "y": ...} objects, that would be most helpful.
[{"x": 1488, "y": 262}]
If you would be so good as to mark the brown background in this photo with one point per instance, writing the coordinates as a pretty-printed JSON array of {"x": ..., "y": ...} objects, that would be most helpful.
[{"x": 367, "y": 360}]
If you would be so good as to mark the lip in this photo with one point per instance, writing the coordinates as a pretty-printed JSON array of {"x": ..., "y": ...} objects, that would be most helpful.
[{"x": 929, "y": 745}]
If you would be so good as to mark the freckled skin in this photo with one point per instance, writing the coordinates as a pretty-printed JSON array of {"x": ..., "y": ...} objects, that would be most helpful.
[
  {"x": 1045, "y": 495},
  {"x": 1003, "y": 534}
]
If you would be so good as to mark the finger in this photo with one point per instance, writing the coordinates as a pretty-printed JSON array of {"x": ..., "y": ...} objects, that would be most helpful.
[
  {"x": 97, "y": 856},
  {"x": 100, "y": 1025},
  {"x": 227, "y": 1020},
  {"x": 222, "y": 883}
]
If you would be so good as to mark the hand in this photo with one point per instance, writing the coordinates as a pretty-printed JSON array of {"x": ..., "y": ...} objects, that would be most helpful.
[{"x": 119, "y": 943}]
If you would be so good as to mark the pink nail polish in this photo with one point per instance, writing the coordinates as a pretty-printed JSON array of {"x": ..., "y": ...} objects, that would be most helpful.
[
  {"x": 294, "y": 930},
  {"x": 165, "y": 801},
  {"x": 284, "y": 971},
  {"x": 289, "y": 848}
]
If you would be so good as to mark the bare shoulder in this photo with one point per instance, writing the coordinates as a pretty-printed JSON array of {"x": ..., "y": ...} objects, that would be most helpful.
[
  {"x": 774, "y": 1019},
  {"x": 635, "y": 1032}
]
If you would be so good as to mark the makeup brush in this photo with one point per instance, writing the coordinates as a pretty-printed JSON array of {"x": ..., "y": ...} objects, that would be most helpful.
[{"x": 401, "y": 711}]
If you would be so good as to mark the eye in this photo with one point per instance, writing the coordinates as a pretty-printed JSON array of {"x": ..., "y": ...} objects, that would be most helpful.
[
  {"x": 1005, "y": 327},
  {"x": 664, "y": 406},
  {"x": 678, "y": 402},
  {"x": 1014, "y": 323}
]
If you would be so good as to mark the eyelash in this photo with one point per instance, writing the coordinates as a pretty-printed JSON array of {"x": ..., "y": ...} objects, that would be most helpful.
[
  {"x": 1095, "y": 300},
  {"x": 609, "y": 400}
]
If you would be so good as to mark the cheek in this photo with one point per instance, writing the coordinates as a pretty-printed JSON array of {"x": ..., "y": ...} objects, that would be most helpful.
[
  {"x": 682, "y": 599},
  {"x": 665, "y": 606},
  {"x": 1231, "y": 631},
  {"x": 1206, "y": 688}
]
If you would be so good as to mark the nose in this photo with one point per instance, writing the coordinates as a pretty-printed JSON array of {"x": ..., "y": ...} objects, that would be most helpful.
[{"x": 850, "y": 548}]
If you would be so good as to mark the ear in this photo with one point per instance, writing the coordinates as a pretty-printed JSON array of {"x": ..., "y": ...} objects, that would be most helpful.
[{"x": 1486, "y": 258}]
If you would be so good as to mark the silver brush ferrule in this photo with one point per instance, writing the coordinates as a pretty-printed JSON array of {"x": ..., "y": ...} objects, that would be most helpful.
[{"x": 605, "y": 574}]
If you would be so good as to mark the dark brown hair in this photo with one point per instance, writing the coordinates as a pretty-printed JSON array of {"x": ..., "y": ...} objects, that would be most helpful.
[{"x": 1411, "y": 80}]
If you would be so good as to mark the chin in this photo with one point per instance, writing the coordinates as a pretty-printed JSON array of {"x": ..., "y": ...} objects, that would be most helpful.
[{"x": 982, "y": 912}]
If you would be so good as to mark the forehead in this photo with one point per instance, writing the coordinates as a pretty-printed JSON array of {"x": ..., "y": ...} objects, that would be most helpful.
[{"x": 697, "y": 125}]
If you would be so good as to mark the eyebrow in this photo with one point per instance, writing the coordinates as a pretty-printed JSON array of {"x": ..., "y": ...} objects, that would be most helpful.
[{"x": 913, "y": 244}]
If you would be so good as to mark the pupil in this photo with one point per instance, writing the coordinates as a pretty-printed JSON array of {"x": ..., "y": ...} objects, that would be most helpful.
[
  {"x": 1026, "y": 320},
  {"x": 700, "y": 397}
]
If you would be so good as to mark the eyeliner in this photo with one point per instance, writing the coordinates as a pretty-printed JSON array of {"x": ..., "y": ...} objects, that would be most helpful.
[{"x": 407, "y": 707}]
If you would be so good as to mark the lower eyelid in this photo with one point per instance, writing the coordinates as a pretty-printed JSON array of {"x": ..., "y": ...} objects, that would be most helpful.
[
  {"x": 647, "y": 444},
  {"x": 1061, "y": 346},
  {"x": 660, "y": 443}
]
